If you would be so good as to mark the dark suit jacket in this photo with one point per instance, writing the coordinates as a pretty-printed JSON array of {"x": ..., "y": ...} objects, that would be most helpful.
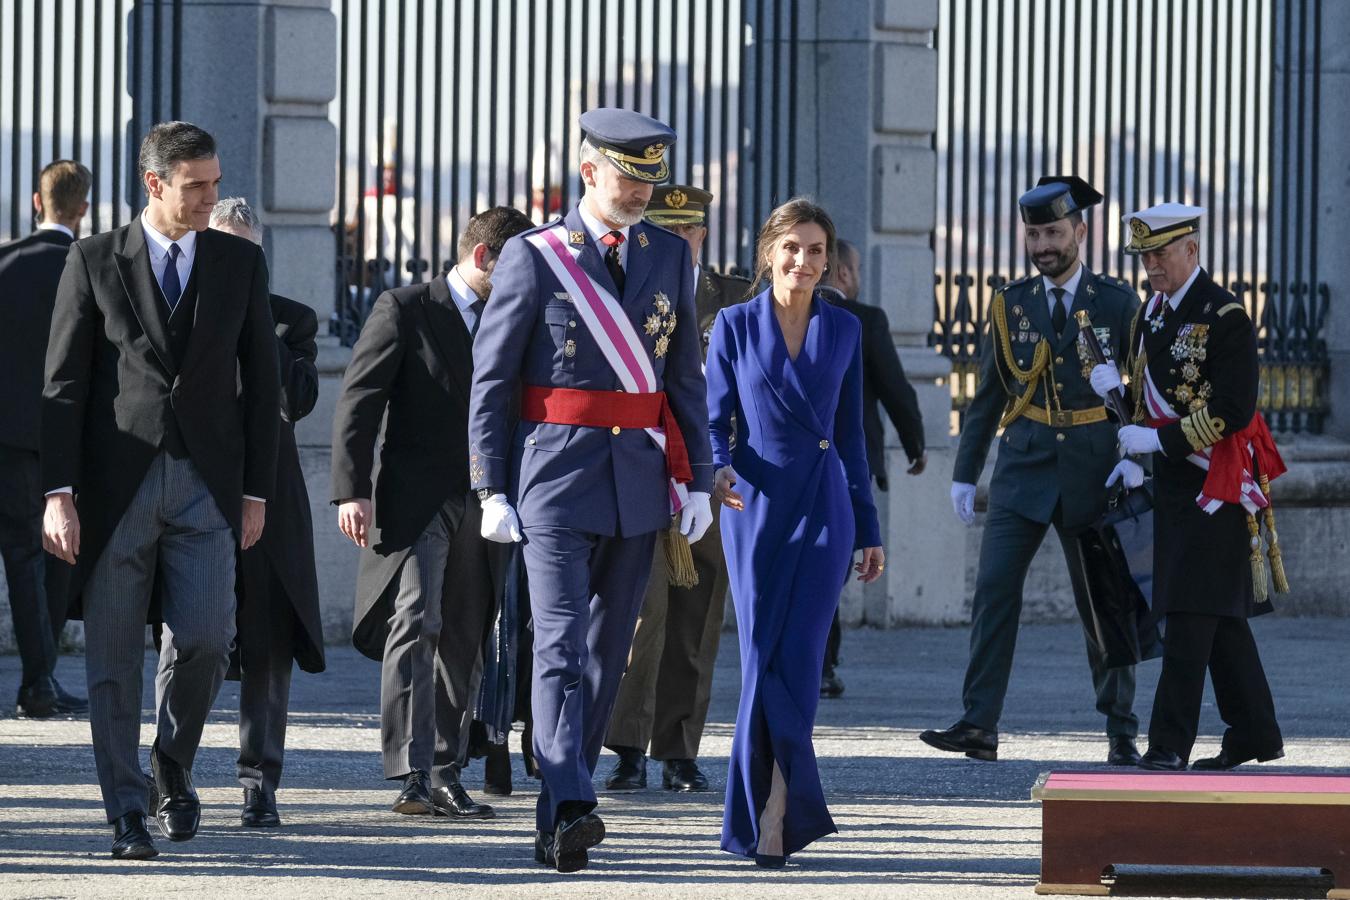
[
  {"x": 114, "y": 387},
  {"x": 30, "y": 269},
  {"x": 414, "y": 358},
  {"x": 286, "y": 548},
  {"x": 884, "y": 382}
]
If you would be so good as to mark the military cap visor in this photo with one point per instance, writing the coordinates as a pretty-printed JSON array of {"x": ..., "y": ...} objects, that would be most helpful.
[
  {"x": 1056, "y": 196},
  {"x": 633, "y": 143},
  {"x": 1158, "y": 226},
  {"x": 678, "y": 204}
]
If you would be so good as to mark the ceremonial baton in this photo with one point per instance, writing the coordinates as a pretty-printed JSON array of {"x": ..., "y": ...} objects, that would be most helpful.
[{"x": 1115, "y": 400}]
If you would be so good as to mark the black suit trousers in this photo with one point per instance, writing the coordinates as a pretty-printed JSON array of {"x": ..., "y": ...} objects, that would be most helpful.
[{"x": 38, "y": 617}]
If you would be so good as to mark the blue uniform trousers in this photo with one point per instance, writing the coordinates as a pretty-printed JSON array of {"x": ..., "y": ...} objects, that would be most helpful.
[{"x": 585, "y": 594}]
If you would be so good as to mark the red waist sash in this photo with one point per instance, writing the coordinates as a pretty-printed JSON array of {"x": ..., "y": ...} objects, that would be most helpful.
[
  {"x": 610, "y": 409},
  {"x": 1249, "y": 452}
]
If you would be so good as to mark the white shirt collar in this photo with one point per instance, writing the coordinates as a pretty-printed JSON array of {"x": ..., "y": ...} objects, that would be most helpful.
[
  {"x": 159, "y": 243},
  {"x": 598, "y": 229},
  {"x": 1174, "y": 300},
  {"x": 464, "y": 296},
  {"x": 1069, "y": 287},
  {"x": 56, "y": 226}
]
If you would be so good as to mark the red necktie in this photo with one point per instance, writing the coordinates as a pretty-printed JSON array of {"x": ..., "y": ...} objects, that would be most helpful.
[{"x": 613, "y": 240}]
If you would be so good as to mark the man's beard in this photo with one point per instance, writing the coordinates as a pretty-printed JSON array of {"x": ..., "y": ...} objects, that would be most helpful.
[
  {"x": 1057, "y": 266},
  {"x": 617, "y": 215}
]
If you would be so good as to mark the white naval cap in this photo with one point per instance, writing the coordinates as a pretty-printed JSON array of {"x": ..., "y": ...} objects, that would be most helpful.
[{"x": 1158, "y": 226}]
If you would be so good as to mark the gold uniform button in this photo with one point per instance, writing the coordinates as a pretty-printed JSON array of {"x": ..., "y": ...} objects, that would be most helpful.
[
  {"x": 1059, "y": 385},
  {"x": 824, "y": 445},
  {"x": 1059, "y": 360},
  {"x": 1059, "y": 436},
  {"x": 615, "y": 430}
]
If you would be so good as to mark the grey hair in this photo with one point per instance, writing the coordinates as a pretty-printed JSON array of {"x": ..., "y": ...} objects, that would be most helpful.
[
  {"x": 169, "y": 143},
  {"x": 590, "y": 154},
  {"x": 235, "y": 213}
]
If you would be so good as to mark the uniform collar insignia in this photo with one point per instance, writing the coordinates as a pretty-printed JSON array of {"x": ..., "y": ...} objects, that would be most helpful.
[
  {"x": 642, "y": 239},
  {"x": 577, "y": 237}
]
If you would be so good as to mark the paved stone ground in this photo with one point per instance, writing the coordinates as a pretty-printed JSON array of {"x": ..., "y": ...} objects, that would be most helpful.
[{"x": 913, "y": 822}]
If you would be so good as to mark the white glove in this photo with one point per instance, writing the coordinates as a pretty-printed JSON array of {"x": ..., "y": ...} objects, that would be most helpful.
[
  {"x": 1136, "y": 439},
  {"x": 696, "y": 515},
  {"x": 500, "y": 522},
  {"x": 1104, "y": 379},
  {"x": 1129, "y": 471},
  {"x": 963, "y": 501}
]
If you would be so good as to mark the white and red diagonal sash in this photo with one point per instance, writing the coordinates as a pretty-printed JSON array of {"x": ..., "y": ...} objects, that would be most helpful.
[
  {"x": 608, "y": 325},
  {"x": 1160, "y": 412}
]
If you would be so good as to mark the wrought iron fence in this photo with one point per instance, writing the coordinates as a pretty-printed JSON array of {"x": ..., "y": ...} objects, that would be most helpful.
[
  {"x": 447, "y": 107},
  {"x": 1149, "y": 101}
]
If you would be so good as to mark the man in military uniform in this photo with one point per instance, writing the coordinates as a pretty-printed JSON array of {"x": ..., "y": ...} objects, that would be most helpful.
[
  {"x": 663, "y": 698},
  {"x": 1055, "y": 460},
  {"x": 1193, "y": 381},
  {"x": 592, "y": 327}
]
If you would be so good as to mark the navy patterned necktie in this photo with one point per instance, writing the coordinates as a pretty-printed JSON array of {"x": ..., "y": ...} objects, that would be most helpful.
[
  {"x": 477, "y": 308},
  {"x": 170, "y": 284}
]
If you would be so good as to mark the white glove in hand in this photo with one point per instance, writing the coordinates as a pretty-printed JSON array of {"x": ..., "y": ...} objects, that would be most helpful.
[
  {"x": 696, "y": 515},
  {"x": 500, "y": 522},
  {"x": 963, "y": 502},
  {"x": 1128, "y": 471},
  {"x": 1136, "y": 439},
  {"x": 1104, "y": 379}
]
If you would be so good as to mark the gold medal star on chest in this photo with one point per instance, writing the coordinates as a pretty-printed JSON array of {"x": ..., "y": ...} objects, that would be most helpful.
[{"x": 660, "y": 323}]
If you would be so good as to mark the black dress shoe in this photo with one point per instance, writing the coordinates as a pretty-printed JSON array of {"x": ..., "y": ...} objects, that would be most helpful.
[
  {"x": 767, "y": 861},
  {"x": 260, "y": 809},
  {"x": 455, "y": 802},
  {"x": 37, "y": 700},
  {"x": 1160, "y": 759},
  {"x": 683, "y": 775},
  {"x": 630, "y": 772},
  {"x": 131, "y": 840},
  {"x": 575, "y": 835},
  {"x": 831, "y": 685},
  {"x": 67, "y": 703},
  {"x": 544, "y": 855},
  {"x": 415, "y": 800},
  {"x": 1123, "y": 752},
  {"x": 497, "y": 771},
  {"x": 964, "y": 738},
  {"x": 1225, "y": 761},
  {"x": 175, "y": 804}
]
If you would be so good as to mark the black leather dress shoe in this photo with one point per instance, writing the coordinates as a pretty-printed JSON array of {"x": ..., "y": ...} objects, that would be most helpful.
[
  {"x": 544, "y": 855},
  {"x": 497, "y": 771},
  {"x": 575, "y": 835},
  {"x": 767, "y": 861},
  {"x": 260, "y": 809},
  {"x": 174, "y": 800},
  {"x": 964, "y": 738},
  {"x": 455, "y": 802},
  {"x": 1225, "y": 761},
  {"x": 1160, "y": 759},
  {"x": 683, "y": 775},
  {"x": 415, "y": 800},
  {"x": 131, "y": 840},
  {"x": 831, "y": 685},
  {"x": 1123, "y": 752},
  {"x": 37, "y": 700},
  {"x": 630, "y": 772},
  {"x": 67, "y": 703}
]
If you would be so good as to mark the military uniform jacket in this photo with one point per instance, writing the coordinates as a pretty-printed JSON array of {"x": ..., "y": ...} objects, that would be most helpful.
[
  {"x": 589, "y": 479},
  {"x": 1203, "y": 361},
  {"x": 716, "y": 292},
  {"x": 1042, "y": 466}
]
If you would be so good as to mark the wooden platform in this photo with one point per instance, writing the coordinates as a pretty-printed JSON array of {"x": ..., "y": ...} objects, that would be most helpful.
[{"x": 1092, "y": 821}]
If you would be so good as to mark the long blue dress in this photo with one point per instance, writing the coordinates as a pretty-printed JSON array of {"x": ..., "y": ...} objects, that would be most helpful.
[{"x": 801, "y": 462}]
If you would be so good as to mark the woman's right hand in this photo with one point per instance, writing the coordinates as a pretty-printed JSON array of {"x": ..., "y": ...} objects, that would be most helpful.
[{"x": 724, "y": 479}]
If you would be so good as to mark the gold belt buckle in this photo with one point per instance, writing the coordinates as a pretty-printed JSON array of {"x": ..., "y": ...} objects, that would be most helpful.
[{"x": 1061, "y": 418}]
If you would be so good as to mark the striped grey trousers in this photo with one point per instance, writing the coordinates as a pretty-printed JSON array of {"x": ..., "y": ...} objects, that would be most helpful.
[{"x": 173, "y": 537}]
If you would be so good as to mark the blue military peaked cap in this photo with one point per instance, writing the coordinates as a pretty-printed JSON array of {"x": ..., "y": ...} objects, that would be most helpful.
[
  {"x": 1056, "y": 196},
  {"x": 635, "y": 144}
]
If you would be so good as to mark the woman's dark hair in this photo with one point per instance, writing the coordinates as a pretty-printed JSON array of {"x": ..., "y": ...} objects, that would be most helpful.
[{"x": 794, "y": 212}]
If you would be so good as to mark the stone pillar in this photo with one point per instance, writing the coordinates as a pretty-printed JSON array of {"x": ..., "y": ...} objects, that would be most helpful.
[
  {"x": 1331, "y": 204},
  {"x": 873, "y": 167}
]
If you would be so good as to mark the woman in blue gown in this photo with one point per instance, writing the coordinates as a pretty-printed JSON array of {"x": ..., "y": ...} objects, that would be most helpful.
[{"x": 784, "y": 375}]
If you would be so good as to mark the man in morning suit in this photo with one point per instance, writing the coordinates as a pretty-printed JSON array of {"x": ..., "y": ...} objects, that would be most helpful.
[
  {"x": 884, "y": 384},
  {"x": 593, "y": 326},
  {"x": 428, "y": 580},
  {"x": 30, "y": 269},
  {"x": 663, "y": 697},
  {"x": 1056, "y": 458},
  {"x": 159, "y": 453},
  {"x": 1194, "y": 378},
  {"x": 277, "y": 588}
]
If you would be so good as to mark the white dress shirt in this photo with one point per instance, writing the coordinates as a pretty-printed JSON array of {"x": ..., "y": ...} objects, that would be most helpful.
[
  {"x": 56, "y": 226},
  {"x": 1175, "y": 299},
  {"x": 1070, "y": 289},
  {"x": 464, "y": 297},
  {"x": 598, "y": 229},
  {"x": 158, "y": 245}
]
